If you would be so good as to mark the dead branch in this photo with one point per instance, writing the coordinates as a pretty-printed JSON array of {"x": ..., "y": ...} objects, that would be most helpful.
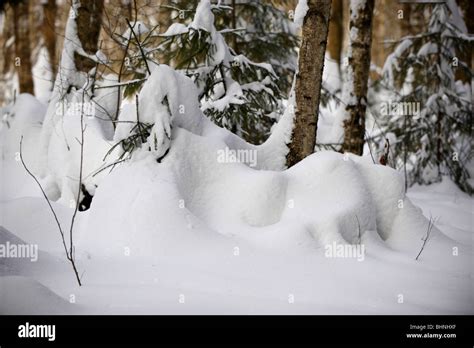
[
  {"x": 69, "y": 256},
  {"x": 139, "y": 46},
  {"x": 428, "y": 233}
]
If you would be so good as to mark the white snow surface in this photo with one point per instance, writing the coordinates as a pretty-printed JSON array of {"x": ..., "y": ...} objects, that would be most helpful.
[{"x": 194, "y": 235}]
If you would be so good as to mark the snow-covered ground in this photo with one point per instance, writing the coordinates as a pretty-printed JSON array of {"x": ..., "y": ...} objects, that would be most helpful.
[{"x": 197, "y": 235}]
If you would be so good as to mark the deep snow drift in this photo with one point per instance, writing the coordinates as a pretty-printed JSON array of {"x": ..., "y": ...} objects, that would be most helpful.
[{"x": 207, "y": 232}]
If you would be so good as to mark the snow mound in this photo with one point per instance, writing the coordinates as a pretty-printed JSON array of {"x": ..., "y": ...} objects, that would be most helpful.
[
  {"x": 10, "y": 265},
  {"x": 213, "y": 185},
  {"x": 25, "y": 116},
  {"x": 222, "y": 224},
  {"x": 21, "y": 296},
  {"x": 191, "y": 199}
]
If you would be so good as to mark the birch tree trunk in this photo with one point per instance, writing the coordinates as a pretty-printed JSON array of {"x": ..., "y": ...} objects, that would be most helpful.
[
  {"x": 358, "y": 74},
  {"x": 308, "y": 80},
  {"x": 49, "y": 32},
  {"x": 22, "y": 46},
  {"x": 7, "y": 56}
]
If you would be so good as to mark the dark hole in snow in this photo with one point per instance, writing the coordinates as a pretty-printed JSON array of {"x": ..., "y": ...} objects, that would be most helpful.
[{"x": 86, "y": 200}]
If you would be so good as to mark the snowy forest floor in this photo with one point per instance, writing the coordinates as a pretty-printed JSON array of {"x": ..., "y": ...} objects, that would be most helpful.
[
  {"x": 255, "y": 281},
  {"x": 193, "y": 236}
]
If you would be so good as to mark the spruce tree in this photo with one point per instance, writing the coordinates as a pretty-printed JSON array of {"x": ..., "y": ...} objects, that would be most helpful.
[
  {"x": 431, "y": 115},
  {"x": 241, "y": 64}
]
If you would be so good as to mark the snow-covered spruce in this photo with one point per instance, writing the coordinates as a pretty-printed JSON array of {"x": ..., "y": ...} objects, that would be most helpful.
[
  {"x": 235, "y": 92},
  {"x": 430, "y": 115}
]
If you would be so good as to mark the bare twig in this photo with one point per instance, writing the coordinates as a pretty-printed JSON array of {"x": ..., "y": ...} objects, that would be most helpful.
[
  {"x": 139, "y": 126},
  {"x": 139, "y": 46},
  {"x": 358, "y": 230},
  {"x": 69, "y": 256},
  {"x": 79, "y": 189},
  {"x": 428, "y": 233}
]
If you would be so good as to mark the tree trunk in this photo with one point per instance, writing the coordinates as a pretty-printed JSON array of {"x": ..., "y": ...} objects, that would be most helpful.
[
  {"x": 308, "y": 80},
  {"x": 83, "y": 25},
  {"x": 335, "y": 31},
  {"x": 88, "y": 21},
  {"x": 7, "y": 57},
  {"x": 233, "y": 42},
  {"x": 49, "y": 32},
  {"x": 465, "y": 53},
  {"x": 385, "y": 15},
  {"x": 358, "y": 73},
  {"x": 22, "y": 46}
]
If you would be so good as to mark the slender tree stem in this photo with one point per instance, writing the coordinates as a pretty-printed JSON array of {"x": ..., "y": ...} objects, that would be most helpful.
[{"x": 68, "y": 256}]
